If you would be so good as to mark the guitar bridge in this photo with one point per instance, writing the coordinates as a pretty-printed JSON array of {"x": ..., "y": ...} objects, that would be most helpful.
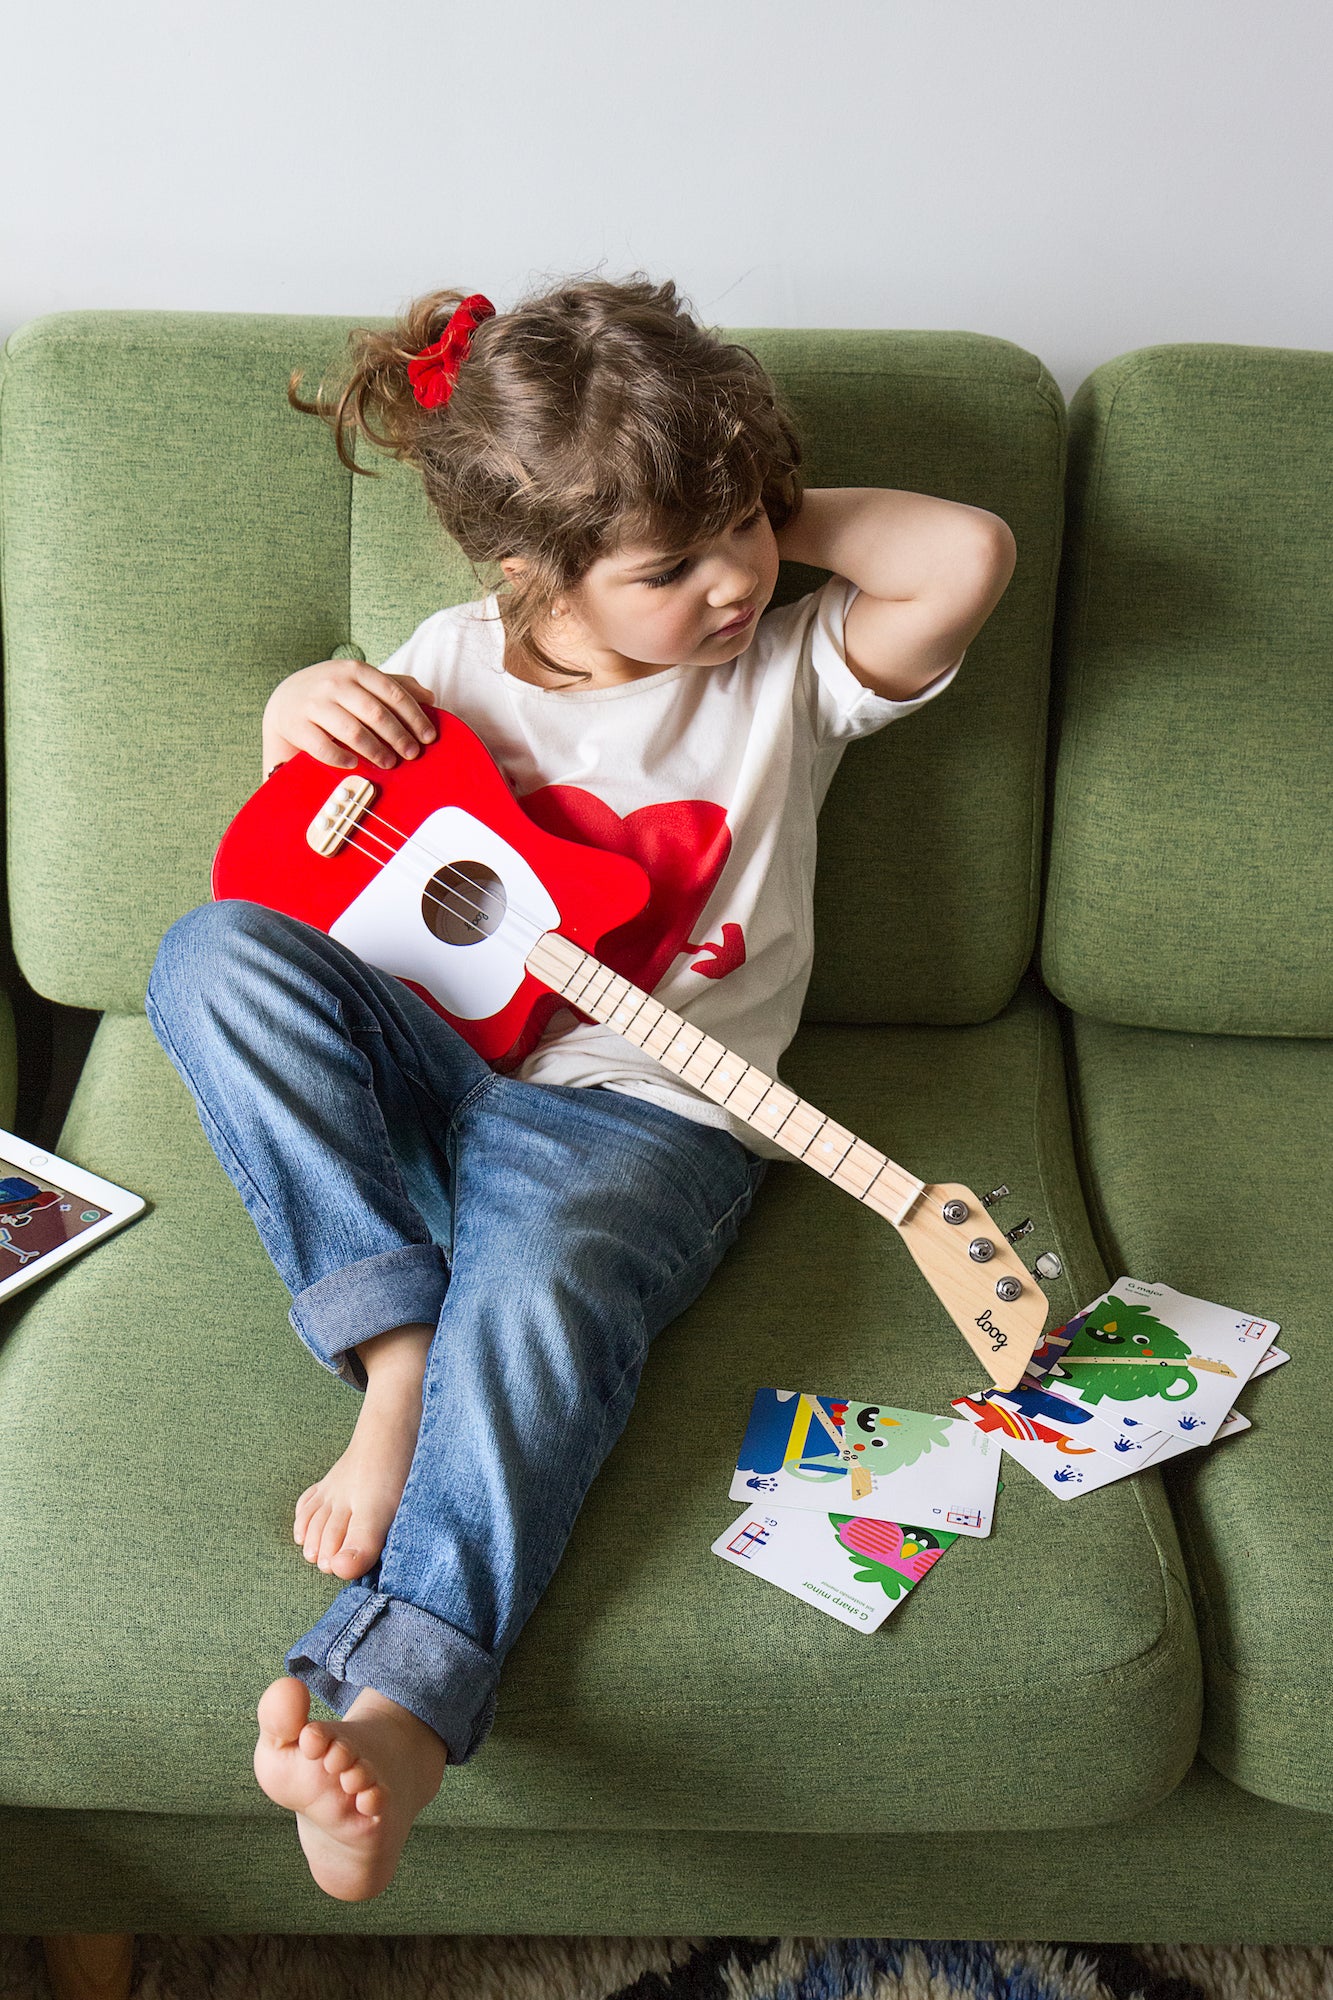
[{"x": 336, "y": 819}]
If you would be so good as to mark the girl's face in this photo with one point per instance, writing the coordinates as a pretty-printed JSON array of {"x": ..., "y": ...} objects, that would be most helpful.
[{"x": 636, "y": 612}]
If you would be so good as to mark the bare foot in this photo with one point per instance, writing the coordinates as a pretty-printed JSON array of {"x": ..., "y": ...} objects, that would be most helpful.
[
  {"x": 356, "y": 1784},
  {"x": 343, "y": 1520}
]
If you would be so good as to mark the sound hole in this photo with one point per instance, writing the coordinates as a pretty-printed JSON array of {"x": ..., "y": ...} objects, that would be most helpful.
[{"x": 463, "y": 902}]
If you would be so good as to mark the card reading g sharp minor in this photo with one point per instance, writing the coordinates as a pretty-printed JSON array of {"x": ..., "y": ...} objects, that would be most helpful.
[
  {"x": 824, "y": 1454},
  {"x": 854, "y": 1569},
  {"x": 1150, "y": 1356}
]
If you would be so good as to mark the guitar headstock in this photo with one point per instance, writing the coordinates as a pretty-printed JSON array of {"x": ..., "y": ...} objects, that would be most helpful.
[{"x": 978, "y": 1277}]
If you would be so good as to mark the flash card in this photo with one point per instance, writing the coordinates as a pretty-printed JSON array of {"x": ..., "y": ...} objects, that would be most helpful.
[
  {"x": 1173, "y": 1444},
  {"x": 1036, "y": 1404},
  {"x": 1063, "y": 1464},
  {"x": 1150, "y": 1357},
  {"x": 1066, "y": 1466},
  {"x": 855, "y": 1569},
  {"x": 819, "y": 1453}
]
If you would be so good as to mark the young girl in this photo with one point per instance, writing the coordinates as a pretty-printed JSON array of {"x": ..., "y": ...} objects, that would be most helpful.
[{"x": 486, "y": 1252}]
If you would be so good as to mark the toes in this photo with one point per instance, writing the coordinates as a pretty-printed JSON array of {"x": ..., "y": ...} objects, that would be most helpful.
[
  {"x": 283, "y": 1709},
  {"x": 357, "y": 1776},
  {"x": 340, "y": 1759},
  {"x": 314, "y": 1529},
  {"x": 335, "y": 1528},
  {"x": 315, "y": 1740},
  {"x": 350, "y": 1562},
  {"x": 370, "y": 1798},
  {"x": 303, "y": 1510}
]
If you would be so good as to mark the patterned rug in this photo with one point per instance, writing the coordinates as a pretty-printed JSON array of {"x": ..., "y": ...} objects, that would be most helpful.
[{"x": 579, "y": 1968}]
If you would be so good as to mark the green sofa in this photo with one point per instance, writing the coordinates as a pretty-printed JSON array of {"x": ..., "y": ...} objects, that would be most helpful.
[{"x": 1084, "y": 956}]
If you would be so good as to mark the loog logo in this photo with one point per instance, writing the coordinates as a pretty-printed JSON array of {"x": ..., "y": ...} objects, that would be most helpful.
[{"x": 997, "y": 1338}]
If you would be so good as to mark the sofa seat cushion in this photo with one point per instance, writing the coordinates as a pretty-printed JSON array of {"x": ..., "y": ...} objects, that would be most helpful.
[
  {"x": 1208, "y": 1158},
  {"x": 158, "y": 1418}
]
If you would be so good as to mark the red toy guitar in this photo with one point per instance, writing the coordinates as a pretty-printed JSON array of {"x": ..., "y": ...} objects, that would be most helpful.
[{"x": 432, "y": 871}]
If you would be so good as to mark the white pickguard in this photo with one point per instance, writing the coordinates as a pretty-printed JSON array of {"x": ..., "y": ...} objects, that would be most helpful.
[{"x": 384, "y": 924}]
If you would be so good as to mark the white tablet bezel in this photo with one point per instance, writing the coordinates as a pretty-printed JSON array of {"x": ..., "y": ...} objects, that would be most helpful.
[{"x": 120, "y": 1204}]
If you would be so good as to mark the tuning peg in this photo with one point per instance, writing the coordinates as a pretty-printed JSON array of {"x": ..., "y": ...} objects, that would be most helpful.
[
  {"x": 996, "y": 1194},
  {"x": 1047, "y": 1267},
  {"x": 1019, "y": 1231}
]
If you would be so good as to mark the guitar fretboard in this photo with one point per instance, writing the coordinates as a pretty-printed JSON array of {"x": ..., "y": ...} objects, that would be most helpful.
[{"x": 760, "y": 1100}]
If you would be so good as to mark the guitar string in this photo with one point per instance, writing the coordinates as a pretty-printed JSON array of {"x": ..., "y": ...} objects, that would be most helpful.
[
  {"x": 370, "y": 855},
  {"x": 538, "y": 930},
  {"x": 541, "y": 930},
  {"x": 477, "y": 910},
  {"x": 413, "y": 840}
]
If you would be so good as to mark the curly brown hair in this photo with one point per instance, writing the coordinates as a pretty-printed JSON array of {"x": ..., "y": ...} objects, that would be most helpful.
[{"x": 584, "y": 420}]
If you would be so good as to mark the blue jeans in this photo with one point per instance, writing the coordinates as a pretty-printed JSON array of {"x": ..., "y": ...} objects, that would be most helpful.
[{"x": 547, "y": 1233}]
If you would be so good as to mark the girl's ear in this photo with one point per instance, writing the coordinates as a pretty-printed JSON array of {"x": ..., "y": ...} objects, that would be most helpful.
[{"x": 512, "y": 565}]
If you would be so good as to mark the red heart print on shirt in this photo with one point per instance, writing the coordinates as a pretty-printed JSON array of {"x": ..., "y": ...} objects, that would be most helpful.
[
  {"x": 726, "y": 956},
  {"x": 681, "y": 846}
]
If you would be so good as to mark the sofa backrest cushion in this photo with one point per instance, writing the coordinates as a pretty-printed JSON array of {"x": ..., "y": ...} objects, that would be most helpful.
[
  {"x": 177, "y": 540},
  {"x": 1190, "y": 873},
  {"x": 174, "y": 544}
]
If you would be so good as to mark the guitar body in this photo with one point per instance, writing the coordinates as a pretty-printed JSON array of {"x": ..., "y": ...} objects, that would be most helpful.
[{"x": 442, "y": 880}]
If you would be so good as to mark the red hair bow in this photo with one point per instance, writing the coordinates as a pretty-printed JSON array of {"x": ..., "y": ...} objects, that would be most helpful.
[{"x": 433, "y": 372}]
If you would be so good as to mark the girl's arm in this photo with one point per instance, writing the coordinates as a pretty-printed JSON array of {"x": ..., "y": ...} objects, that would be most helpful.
[{"x": 929, "y": 573}]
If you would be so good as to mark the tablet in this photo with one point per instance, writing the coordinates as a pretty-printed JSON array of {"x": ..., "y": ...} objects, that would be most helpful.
[{"x": 51, "y": 1210}]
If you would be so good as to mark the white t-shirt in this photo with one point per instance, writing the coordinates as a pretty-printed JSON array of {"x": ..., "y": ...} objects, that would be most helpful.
[{"x": 718, "y": 774}]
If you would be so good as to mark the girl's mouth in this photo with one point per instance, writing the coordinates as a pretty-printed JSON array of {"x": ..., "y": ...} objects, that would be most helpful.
[{"x": 736, "y": 625}]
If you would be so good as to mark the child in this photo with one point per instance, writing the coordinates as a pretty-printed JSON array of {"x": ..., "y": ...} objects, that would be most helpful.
[{"x": 486, "y": 1251}]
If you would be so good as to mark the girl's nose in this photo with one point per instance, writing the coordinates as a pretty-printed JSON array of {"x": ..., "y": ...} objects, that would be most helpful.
[{"x": 737, "y": 580}]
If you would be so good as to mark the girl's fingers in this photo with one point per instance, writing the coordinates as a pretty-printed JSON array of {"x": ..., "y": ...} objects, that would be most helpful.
[
  {"x": 341, "y": 723},
  {"x": 384, "y": 721},
  {"x": 327, "y": 749},
  {"x": 393, "y": 693},
  {"x": 359, "y": 737}
]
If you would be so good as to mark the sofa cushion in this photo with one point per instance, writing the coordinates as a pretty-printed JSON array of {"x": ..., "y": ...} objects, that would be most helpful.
[
  {"x": 1207, "y": 1167},
  {"x": 158, "y": 1418},
  {"x": 176, "y": 541},
  {"x": 1190, "y": 878},
  {"x": 174, "y": 544}
]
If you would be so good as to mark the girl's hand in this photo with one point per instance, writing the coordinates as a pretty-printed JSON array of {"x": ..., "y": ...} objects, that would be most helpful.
[{"x": 339, "y": 710}]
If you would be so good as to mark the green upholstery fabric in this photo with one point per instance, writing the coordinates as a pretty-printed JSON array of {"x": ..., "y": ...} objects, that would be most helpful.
[
  {"x": 158, "y": 1419},
  {"x": 1208, "y": 1168},
  {"x": 1209, "y": 1864},
  {"x": 937, "y": 821},
  {"x": 175, "y": 543},
  {"x": 1191, "y": 854}
]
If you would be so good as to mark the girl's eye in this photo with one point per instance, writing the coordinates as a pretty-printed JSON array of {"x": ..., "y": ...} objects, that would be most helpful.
[{"x": 669, "y": 576}]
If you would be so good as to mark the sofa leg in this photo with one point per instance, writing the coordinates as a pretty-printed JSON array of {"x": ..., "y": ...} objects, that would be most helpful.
[{"x": 88, "y": 1965}]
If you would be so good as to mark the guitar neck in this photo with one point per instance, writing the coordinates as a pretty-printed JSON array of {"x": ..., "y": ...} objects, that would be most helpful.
[{"x": 757, "y": 1099}]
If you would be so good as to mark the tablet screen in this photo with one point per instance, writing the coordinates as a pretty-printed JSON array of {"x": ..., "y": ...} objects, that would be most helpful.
[{"x": 36, "y": 1215}]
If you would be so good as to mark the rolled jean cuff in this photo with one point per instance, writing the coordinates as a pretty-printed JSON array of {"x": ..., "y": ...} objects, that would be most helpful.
[
  {"x": 366, "y": 1639},
  {"x": 403, "y": 1287}
]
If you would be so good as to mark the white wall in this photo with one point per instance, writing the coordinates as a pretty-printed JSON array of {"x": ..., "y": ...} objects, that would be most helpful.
[{"x": 1080, "y": 180}]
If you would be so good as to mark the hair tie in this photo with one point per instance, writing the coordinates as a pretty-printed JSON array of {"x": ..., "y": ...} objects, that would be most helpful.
[{"x": 434, "y": 371}]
